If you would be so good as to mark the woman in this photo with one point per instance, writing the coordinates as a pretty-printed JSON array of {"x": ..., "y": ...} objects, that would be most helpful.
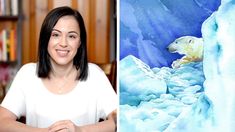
[{"x": 62, "y": 92}]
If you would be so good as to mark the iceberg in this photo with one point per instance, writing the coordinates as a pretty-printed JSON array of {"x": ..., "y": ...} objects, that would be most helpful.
[
  {"x": 149, "y": 85},
  {"x": 219, "y": 61},
  {"x": 151, "y": 99}
]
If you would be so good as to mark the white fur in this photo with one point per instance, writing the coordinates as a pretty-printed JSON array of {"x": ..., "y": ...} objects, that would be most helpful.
[{"x": 189, "y": 46}]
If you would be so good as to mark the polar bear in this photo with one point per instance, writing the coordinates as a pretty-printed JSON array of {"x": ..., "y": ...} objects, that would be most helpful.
[{"x": 189, "y": 46}]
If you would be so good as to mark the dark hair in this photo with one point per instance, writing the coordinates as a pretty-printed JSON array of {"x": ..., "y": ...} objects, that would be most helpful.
[{"x": 80, "y": 59}]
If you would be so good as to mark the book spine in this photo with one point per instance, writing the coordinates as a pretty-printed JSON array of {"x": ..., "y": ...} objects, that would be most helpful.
[
  {"x": 4, "y": 45},
  {"x": 12, "y": 45},
  {"x": 1, "y": 46},
  {"x": 14, "y": 7}
]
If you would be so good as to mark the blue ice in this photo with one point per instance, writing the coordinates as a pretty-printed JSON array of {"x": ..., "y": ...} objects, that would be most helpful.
[{"x": 151, "y": 99}]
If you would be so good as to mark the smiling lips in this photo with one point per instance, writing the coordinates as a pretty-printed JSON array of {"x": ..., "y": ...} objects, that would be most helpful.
[{"x": 62, "y": 53}]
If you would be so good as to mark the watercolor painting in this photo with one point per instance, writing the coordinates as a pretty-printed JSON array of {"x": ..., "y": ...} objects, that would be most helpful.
[{"x": 176, "y": 70}]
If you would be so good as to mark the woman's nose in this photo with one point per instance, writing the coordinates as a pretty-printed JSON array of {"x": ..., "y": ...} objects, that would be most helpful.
[{"x": 63, "y": 42}]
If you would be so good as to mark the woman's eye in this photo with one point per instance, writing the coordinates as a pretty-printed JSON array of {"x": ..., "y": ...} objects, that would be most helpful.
[
  {"x": 72, "y": 36},
  {"x": 55, "y": 35}
]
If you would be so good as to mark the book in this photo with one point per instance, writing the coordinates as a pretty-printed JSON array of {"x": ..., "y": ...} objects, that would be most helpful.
[
  {"x": 14, "y": 7},
  {"x": 4, "y": 46}
]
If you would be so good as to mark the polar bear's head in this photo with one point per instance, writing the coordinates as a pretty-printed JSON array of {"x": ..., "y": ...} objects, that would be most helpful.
[{"x": 186, "y": 45}]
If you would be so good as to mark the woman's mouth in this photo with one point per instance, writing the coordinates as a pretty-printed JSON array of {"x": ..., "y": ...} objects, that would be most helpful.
[{"x": 62, "y": 53}]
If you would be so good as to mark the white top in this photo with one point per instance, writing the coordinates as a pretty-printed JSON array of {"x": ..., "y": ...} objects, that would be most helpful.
[{"x": 89, "y": 101}]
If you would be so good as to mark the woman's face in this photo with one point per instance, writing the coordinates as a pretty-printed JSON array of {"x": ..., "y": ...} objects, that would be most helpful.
[{"x": 64, "y": 41}]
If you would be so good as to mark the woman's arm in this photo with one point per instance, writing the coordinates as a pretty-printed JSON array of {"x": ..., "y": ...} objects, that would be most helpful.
[
  {"x": 108, "y": 125},
  {"x": 9, "y": 124}
]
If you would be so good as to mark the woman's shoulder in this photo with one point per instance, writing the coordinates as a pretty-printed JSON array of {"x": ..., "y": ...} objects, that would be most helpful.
[
  {"x": 28, "y": 68},
  {"x": 94, "y": 67},
  {"x": 26, "y": 72}
]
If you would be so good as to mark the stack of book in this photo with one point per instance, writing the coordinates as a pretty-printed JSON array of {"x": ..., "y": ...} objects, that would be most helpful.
[
  {"x": 8, "y": 45},
  {"x": 8, "y": 7}
]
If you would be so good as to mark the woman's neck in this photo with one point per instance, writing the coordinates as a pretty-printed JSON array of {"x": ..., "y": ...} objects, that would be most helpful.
[
  {"x": 59, "y": 71},
  {"x": 62, "y": 78}
]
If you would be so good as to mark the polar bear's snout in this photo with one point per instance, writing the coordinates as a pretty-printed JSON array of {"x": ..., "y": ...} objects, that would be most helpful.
[{"x": 172, "y": 48}]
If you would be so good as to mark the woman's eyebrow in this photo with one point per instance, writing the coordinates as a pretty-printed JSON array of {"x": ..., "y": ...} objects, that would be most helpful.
[
  {"x": 68, "y": 32},
  {"x": 56, "y": 30},
  {"x": 73, "y": 32}
]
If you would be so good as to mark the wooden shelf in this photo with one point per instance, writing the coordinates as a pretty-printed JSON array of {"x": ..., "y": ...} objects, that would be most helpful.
[
  {"x": 8, "y": 62},
  {"x": 11, "y": 40},
  {"x": 9, "y": 18}
]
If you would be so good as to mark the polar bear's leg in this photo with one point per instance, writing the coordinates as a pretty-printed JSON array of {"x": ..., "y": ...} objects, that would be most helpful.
[{"x": 177, "y": 63}]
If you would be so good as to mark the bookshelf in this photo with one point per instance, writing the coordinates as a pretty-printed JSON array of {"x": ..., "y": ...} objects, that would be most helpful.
[{"x": 10, "y": 42}]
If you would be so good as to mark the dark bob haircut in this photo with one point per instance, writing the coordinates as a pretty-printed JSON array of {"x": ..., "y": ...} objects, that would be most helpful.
[{"x": 80, "y": 59}]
